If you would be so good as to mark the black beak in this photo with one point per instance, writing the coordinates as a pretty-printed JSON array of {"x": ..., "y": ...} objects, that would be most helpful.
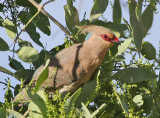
[
  {"x": 119, "y": 42},
  {"x": 115, "y": 42}
]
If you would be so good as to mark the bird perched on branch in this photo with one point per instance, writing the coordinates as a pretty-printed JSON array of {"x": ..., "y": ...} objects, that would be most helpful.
[{"x": 76, "y": 64}]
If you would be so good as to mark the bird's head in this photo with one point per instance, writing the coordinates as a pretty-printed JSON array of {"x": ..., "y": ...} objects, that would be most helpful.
[{"x": 100, "y": 34}]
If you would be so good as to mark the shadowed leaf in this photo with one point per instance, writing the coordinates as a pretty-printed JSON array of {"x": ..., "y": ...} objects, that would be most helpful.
[
  {"x": 97, "y": 10},
  {"x": 133, "y": 75},
  {"x": 3, "y": 45},
  {"x": 117, "y": 13}
]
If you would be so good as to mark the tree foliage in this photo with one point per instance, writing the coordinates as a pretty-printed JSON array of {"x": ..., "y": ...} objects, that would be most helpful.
[{"x": 118, "y": 88}]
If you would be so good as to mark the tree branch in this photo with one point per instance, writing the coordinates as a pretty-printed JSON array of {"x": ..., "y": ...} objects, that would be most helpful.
[{"x": 40, "y": 8}]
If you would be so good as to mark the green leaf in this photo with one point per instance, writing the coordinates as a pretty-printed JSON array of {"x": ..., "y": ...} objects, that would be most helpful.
[
  {"x": 133, "y": 75},
  {"x": 139, "y": 10},
  {"x": 1, "y": 7},
  {"x": 24, "y": 43},
  {"x": 97, "y": 10},
  {"x": 148, "y": 50},
  {"x": 123, "y": 46},
  {"x": 23, "y": 74},
  {"x": 88, "y": 89},
  {"x": 28, "y": 54},
  {"x": 10, "y": 28},
  {"x": 127, "y": 24},
  {"x": 43, "y": 76},
  {"x": 8, "y": 95},
  {"x": 138, "y": 100},
  {"x": 157, "y": 91},
  {"x": 35, "y": 36},
  {"x": 26, "y": 3},
  {"x": 15, "y": 64},
  {"x": 3, "y": 45},
  {"x": 3, "y": 113},
  {"x": 44, "y": 56},
  {"x": 117, "y": 13},
  {"x": 98, "y": 110},
  {"x": 37, "y": 105},
  {"x": 4, "y": 70},
  {"x": 69, "y": 103},
  {"x": 137, "y": 27},
  {"x": 71, "y": 17},
  {"x": 123, "y": 104},
  {"x": 117, "y": 27},
  {"x": 17, "y": 89},
  {"x": 119, "y": 49},
  {"x": 14, "y": 113},
  {"x": 87, "y": 113},
  {"x": 148, "y": 103},
  {"x": 42, "y": 22},
  {"x": 31, "y": 28},
  {"x": 147, "y": 18},
  {"x": 1, "y": 21}
]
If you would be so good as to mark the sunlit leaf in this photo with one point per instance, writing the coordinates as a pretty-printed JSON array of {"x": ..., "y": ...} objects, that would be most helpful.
[
  {"x": 10, "y": 28},
  {"x": 133, "y": 75},
  {"x": 138, "y": 99},
  {"x": 119, "y": 49},
  {"x": 37, "y": 105},
  {"x": 87, "y": 114},
  {"x": 98, "y": 110},
  {"x": 28, "y": 54},
  {"x": 123, "y": 46},
  {"x": 14, "y": 113},
  {"x": 3, "y": 112},
  {"x": 69, "y": 103},
  {"x": 97, "y": 10},
  {"x": 3, "y": 45},
  {"x": 117, "y": 13}
]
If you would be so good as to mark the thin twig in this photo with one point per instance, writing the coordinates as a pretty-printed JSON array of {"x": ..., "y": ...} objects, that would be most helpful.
[
  {"x": 6, "y": 84},
  {"x": 40, "y": 8},
  {"x": 47, "y": 2}
]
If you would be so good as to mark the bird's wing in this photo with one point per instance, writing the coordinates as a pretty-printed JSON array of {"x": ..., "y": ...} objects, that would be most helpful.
[{"x": 68, "y": 67}]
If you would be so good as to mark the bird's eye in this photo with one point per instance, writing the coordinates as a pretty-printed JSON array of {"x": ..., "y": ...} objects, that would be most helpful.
[{"x": 105, "y": 37}]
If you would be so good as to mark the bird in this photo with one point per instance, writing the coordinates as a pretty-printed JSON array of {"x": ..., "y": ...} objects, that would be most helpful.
[{"x": 76, "y": 64}]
